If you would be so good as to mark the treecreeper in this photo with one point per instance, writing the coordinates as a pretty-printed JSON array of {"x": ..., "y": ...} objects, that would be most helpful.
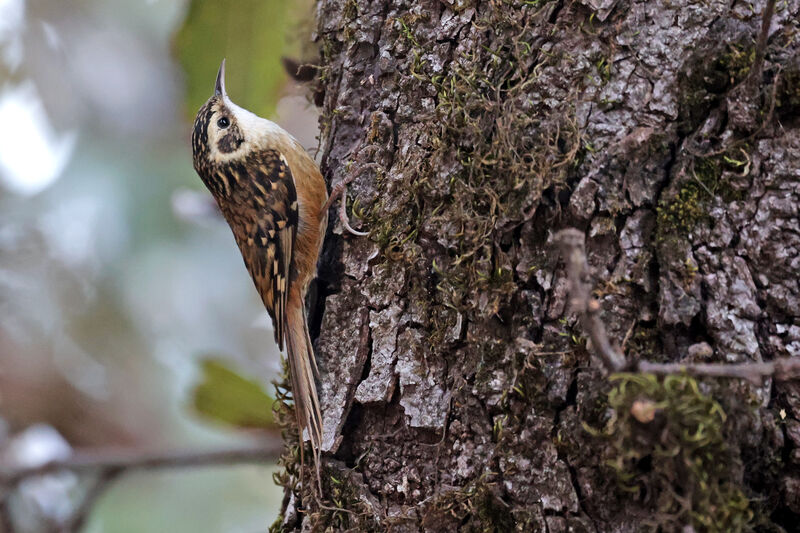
[{"x": 273, "y": 197}]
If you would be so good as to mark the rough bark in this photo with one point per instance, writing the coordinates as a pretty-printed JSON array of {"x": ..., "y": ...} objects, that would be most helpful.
[{"x": 458, "y": 389}]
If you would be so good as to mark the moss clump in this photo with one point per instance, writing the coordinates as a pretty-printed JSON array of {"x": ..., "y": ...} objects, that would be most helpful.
[
  {"x": 504, "y": 140},
  {"x": 734, "y": 65},
  {"x": 709, "y": 81},
  {"x": 669, "y": 445},
  {"x": 644, "y": 343},
  {"x": 343, "y": 510},
  {"x": 472, "y": 509},
  {"x": 680, "y": 214},
  {"x": 290, "y": 461},
  {"x": 350, "y": 9}
]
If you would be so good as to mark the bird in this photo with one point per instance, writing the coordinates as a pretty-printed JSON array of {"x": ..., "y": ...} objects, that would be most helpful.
[{"x": 273, "y": 196}]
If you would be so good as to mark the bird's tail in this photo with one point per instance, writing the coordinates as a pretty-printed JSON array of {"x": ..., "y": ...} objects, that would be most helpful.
[{"x": 303, "y": 367}]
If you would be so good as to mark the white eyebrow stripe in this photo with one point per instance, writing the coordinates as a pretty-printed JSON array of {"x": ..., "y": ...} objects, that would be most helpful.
[{"x": 256, "y": 132}]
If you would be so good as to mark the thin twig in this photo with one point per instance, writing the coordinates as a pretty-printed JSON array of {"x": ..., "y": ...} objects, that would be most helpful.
[
  {"x": 571, "y": 242},
  {"x": 783, "y": 369},
  {"x": 88, "y": 461},
  {"x": 757, "y": 69},
  {"x": 79, "y": 516},
  {"x": 111, "y": 464},
  {"x": 6, "y": 524}
]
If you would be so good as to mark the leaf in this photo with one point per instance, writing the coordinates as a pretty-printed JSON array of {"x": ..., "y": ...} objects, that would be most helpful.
[
  {"x": 227, "y": 396},
  {"x": 251, "y": 35}
]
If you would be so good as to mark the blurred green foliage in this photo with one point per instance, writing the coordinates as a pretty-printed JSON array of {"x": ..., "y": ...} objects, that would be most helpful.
[
  {"x": 251, "y": 35},
  {"x": 227, "y": 396},
  {"x": 109, "y": 293},
  {"x": 228, "y": 499}
]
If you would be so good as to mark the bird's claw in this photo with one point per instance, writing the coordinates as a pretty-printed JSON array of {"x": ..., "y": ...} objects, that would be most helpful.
[
  {"x": 343, "y": 216},
  {"x": 340, "y": 189}
]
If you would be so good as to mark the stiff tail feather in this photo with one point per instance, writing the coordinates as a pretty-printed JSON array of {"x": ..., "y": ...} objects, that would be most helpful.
[{"x": 303, "y": 367}]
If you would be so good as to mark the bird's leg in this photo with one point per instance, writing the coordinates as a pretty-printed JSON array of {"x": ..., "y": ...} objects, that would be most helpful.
[
  {"x": 340, "y": 189},
  {"x": 343, "y": 214}
]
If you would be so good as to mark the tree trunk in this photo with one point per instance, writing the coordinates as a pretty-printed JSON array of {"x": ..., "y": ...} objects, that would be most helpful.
[{"x": 458, "y": 390}]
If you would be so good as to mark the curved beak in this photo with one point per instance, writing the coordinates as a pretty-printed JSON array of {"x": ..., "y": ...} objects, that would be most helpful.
[{"x": 219, "y": 88}]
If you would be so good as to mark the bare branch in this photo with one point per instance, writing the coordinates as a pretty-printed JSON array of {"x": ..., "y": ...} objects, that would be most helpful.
[
  {"x": 79, "y": 516},
  {"x": 6, "y": 524},
  {"x": 757, "y": 69},
  {"x": 781, "y": 369},
  {"x": 111, "y": 464},
  {"x": 88, "y": 461},
  {"x": 571, "y": 242}
]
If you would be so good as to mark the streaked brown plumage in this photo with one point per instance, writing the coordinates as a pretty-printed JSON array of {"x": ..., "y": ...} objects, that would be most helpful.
[{"x": 272, "y": 195}]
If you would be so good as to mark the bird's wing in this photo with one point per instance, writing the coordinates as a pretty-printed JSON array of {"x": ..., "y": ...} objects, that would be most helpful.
[{"x": 268, "y": 243}]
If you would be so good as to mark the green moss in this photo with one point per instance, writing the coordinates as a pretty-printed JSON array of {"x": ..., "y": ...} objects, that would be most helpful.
[
  {"x": 503, "y": 152},
  {"x": 290, "y": 461},
  {"x": 343, "y": 510},
  {"x": 680, "y": 214},
  {"x": 328, "y": 48},
  {"x": 474, "y": 509},
  {"x": 644, "y": 343},
  {"x": 735, "y": 63},
  {"x": 603, "y": 66},
  {"x": 492, "y": 355},
  {"x": 668, "y": 444},
  {"x": 350, "y": 9},
  {"x": 709, "y": 80},
  {"x": 507, "y": 157}
]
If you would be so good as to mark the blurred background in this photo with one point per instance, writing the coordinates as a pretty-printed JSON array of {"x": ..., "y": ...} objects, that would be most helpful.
[{"x": 116, "y": 280}]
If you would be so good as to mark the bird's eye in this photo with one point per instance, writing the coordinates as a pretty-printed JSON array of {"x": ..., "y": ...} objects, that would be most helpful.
[{"x": 223, "y": 122}]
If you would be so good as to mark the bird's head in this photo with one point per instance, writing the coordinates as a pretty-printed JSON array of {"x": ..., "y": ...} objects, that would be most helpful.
[{"x": 226, "y": 133}]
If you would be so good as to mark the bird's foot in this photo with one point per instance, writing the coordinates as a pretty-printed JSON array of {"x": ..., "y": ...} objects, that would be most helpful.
[{"x": 340, "y": 190}]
